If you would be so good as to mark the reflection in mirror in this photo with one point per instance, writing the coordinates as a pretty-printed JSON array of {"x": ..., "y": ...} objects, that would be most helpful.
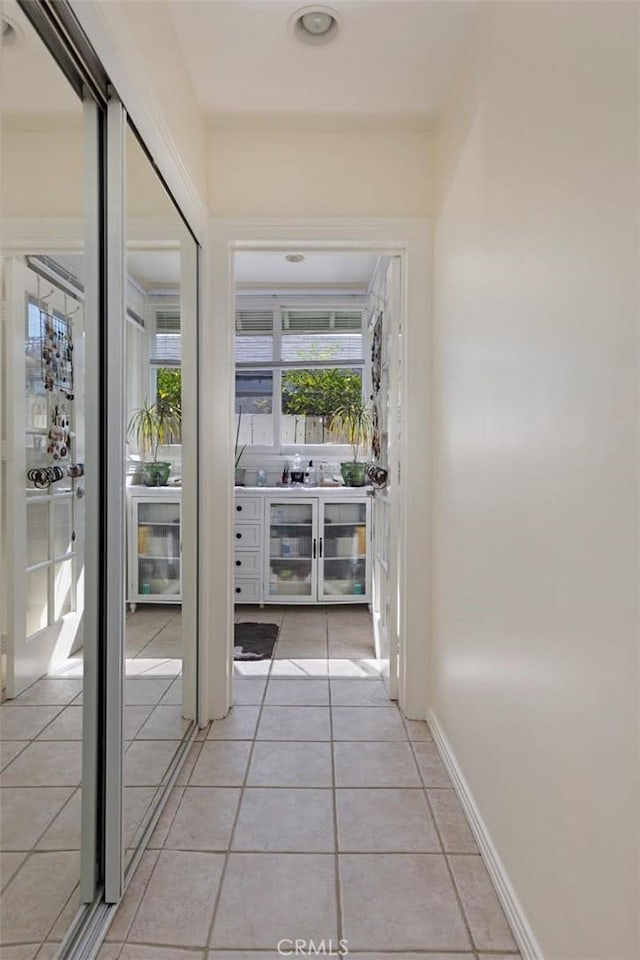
[
  {"x": 47, "y": 229},
  {"x": 160, "y": 638}
]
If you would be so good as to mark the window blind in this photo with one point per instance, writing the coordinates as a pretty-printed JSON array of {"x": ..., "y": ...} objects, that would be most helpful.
[
  {"x": 254, "y": 335},
  {"x": 320, "y": 321},
  {"x": 166, "y": 347},
  {"x": 307, "y": 335},
  {"x": 331, "y": 335}
]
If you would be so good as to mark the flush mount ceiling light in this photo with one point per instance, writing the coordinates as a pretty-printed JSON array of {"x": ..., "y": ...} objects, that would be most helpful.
[
  {"x": 315, "y": 25},
  {"x": 294, "y": 257}
]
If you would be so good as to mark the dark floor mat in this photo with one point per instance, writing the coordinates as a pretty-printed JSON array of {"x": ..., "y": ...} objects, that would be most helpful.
[{"x": 254, "y": 641}]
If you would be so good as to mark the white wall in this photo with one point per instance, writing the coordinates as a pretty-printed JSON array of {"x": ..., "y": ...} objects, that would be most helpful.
[
  {"x": 535, "y": 660},
  {"x": 42, "y": 173},
  {"x": 308, "y": 173}
]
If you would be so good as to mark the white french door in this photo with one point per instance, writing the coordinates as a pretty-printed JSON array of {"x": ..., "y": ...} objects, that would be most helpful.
[
  {"x": 45, "y": 520},
  {"x": 387, "y": 503}
]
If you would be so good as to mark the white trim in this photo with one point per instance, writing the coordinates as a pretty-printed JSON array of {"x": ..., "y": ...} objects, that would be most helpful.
[
  {"x": 520, "y": 926},
  {"x": 189, "y": 466},
  {"x": 411, "y": 240},
  {"x": 46, "y": 235},
  {"x": 42, "y": 235},
  {"x": 115, "y": 500},
  {"x": 91, "y": 535}
]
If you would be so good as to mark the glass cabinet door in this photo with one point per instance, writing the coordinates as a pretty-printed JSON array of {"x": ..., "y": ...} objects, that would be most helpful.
[
  {"x": 343, "y": 552},
  {"x": 158, "y": 540},
  {"x": 293, "y": 549}
]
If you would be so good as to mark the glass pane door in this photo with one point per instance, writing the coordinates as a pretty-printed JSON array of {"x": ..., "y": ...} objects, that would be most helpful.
[
  {"x": 50, "y": 318},
  {"x": 292, "y": 549},
  {"x": 343, "y": 550},
  {"x": 158, "y": 539},
  {"x": 158, "y": 334}
]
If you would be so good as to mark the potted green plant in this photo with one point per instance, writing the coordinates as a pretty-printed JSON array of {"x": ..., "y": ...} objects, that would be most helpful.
[
  {"x": 153, "y": 425},
  {"x": 353, "y": 421},
  {"x": 241, "y": 472}
]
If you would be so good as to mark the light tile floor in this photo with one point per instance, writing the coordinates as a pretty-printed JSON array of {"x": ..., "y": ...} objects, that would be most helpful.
[
  {"x": 314, "y": 811},
  {"x": 40, "y": 772}
]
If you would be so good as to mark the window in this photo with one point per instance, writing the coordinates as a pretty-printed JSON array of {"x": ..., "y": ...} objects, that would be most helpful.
[
  {"x": 254, "y": 401},
  {"x": 309, "y": 399},
  {"x": 165, "y": 347},
  {"x": 166, "y": 353},
  {"x": 294, "y": 368}
]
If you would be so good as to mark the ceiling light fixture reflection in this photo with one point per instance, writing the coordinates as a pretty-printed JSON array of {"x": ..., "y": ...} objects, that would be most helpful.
[{"x": 11, "y": 35}]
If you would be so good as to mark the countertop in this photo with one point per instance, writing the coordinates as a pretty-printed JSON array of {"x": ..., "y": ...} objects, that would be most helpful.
[
  {"x": 303, "y": 491},
  {"x": 140, "y": 490},
  {"x": 171, "y": 493}
]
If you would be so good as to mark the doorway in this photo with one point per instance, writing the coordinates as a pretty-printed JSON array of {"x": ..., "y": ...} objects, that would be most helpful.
[
  {"x": 316, "y": 366},
  {"x": 410, "y": 241}
]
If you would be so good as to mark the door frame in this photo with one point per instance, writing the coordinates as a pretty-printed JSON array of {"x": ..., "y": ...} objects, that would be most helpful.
[{"x": 411, "y": 240}]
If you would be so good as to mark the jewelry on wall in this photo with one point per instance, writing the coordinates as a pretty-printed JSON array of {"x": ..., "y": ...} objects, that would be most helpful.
[{"x": 56, "y": 332}]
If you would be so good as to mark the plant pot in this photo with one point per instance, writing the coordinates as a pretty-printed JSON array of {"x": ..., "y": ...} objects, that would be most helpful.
[
  {"x": 155, "y": 474},
  {"x": 354, "y": 473},
  {"x": 241, "y": 474}
]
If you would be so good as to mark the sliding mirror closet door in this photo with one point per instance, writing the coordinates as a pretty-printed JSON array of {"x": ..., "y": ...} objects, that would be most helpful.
[
  {"x": 161, "y": 492},
  {"x": 49, "y": 208}
]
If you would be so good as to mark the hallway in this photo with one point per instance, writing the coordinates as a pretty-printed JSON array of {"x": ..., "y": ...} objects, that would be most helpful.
[{"x": 313, "y": 812}]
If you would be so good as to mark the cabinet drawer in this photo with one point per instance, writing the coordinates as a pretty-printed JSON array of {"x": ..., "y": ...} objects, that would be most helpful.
[
  {"x": 247, "y": 508},
  {"x": 247, "y": 590},
  {"x": 246, "y": 535},
  {"x": 247, "y": 563}
]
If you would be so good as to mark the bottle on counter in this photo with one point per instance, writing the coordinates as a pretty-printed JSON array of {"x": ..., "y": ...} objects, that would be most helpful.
[
  {"x": 297, "y": 473},
  {"x": 310, "y": 475},
  {"x": 285, "y": 475}
]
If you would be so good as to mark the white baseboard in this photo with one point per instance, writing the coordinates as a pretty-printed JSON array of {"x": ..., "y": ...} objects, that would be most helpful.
[{"x": 524, "y": 936}]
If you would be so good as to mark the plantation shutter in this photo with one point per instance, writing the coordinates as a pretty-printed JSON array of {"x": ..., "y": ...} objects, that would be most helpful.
[
  {"x": 254, "y": 335},
  {"x": 333, "y": 336},
  {"x": 166, "y": 344},
  {"x": 307, "y": 335}
]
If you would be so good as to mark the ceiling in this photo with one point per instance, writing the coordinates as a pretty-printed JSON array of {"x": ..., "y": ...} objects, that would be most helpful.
[
  {"x": 390, "y": 64},
  {"x": 264, "y": 271},
  {"x": 154, "y": 268},
  {"x": 270, "y": 271},
  {"x": 389, "y": 67}
]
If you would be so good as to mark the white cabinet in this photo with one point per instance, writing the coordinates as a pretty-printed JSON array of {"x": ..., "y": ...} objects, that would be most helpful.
[
  {"x": 317, "y": 550},
  {"x": 291, "y": 568},
  {"x": 154, "y": 548},
  {"x": 343, "y": 551},
  {"x": 299, "y": 547},
  {"x": 247, "y": 538}
]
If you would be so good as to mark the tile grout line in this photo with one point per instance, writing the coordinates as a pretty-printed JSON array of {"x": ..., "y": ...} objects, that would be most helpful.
[
  {"x": 150, "y": 640},
  {"x": 463, "y": 912},
  {"x": 75, "y": 788},
  {"x": 334, "y": 797},
  {"x": 209, "y": 944},
  {"x": 27, "y": 743},
  {"x": 66, "y": 904},
  {"x": 153, "y": 870}
]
